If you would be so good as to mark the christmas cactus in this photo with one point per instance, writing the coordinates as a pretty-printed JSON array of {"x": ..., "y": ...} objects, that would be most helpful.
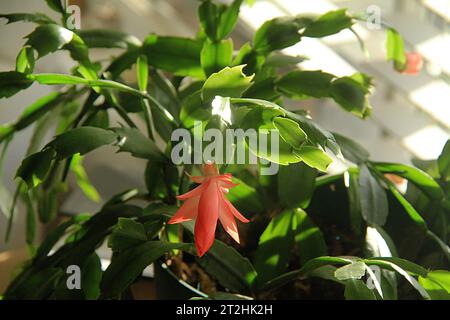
[{"x": 221, "y": 145}]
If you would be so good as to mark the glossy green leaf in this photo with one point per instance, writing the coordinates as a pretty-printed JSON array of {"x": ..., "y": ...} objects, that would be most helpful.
[
  {"x": 11, "y": 82},
  {"x": 53, "y": 237},
  {"x": 123, "y": 62},
  {"x": 403, "y": 267},
  {"x": 290, "y": 131},
  {"x": 209, "y": 14},
  {"x": 154, "y": 179},
  {"x": 374, "y": 204},
  {"x": 194, "y": 109},
  {"x": 91, "y": 277},
  {"x": 306, "y": 270},
  {"x": 56, "y": 5},
  {"x": 276, "y": 34},
  {"x": 402, "y": 263},
  {"x": 76, "y": 166},
  {"x": 218, "y": 20},
  {"x": 352, "y": 150},
  {"x": 229, "y": 82},
  {"x": 104, "y": 38},
  {"x": 25, "y": 60},
  {"x": 38, "y": 286},
  {"x": 99, "y": 120},
  {"x": 216, "y": 55},
  {"x": 244, "y": 197},
  {"x": 442, "y": 245},
  {"x": 47, "y": 204},
  {"x": 316, "y": 134},
  {"x": 35, "y": 167},
  {"x": 308, "y": 238},
  {"x": 228, "y": 19},
  {"x": 58, "y": 79},
  {"x": 39, "y": 18},
  {"x": 410, "y": 211},
  {"x": 142, "y": 73},
  {"x": 395, "y": 48},
  {"x": 38, "y": 109},
  {"x": 352, "y": 95},
  {"x": 444, "y": 162},
  {"x": 81, "y": 140},
  {"x": 180, "y": 56},
  {"x": 355, "y": 270},
  {"x": 260, "y": 115},
  {"x": 379, "y": 243},
  {"x": 428, "y": 166},
  {"x": 358, "y": 290},
  {"x": 354, "y": 200},
  {"x": 296, "y": 184},
  {"x": 247, "y": 56},
  {"x": 30, "y": 227},
  {"x": 270, "y": 261},
  {"x": 35, "y": 112},
  {"x": 329, "y": 23},
  {"x": 437, "y": 284},
  {"x": 416, "y": 176},
  {"x": 264, "y": 90},
  {"x": 126, "y": 234},
  {"x": 280, "y": 60},
  {"x": 128, "y": 265},
  {"x": 165, "y": 91},
  {"x": 314, "y": 157},
  {"x": 302, "y": 84},
  {"x": 51, "y": 37},
  {"x": 133, "y": 141},
  {"x": 229, "y": 267},
  {"x": 282, "y": 153}
]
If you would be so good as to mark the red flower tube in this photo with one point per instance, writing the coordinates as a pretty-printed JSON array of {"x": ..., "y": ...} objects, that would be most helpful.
[
  {"x": 414, "y": 63},
  {"x": 207, "y": 203}
]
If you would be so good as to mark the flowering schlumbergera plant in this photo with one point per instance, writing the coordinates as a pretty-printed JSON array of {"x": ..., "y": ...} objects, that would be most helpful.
[{"x": 220, "y": 145}]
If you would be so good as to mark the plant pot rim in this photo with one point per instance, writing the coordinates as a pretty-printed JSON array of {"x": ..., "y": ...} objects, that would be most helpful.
[{"x": 183, "y": 283}]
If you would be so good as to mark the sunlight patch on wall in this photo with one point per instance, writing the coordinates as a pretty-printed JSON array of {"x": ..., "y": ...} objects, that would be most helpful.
[
  {"x": 426, "y": 143},
  {"x": 434, "y": 99}
]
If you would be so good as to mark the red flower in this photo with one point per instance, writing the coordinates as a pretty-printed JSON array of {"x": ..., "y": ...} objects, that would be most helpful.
[
  {"x": 414, "y": 63},
  {"x": 207, "y": 203}
]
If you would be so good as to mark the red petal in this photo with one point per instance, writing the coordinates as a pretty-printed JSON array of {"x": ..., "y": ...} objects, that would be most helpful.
[
  {"x": 226, "y": 176},
  {"x": 414, "y": 63},
  {"x": 225, "y": 181},
  {"x": 208, "y": 213},
  {"x": 227, "y": 220},
  {"x": 234, "y": 211},
  {"x": 227, "y": 184},
  {"x": 187, "y": 211},
  {"x": 193, "y": 193},
  {"x": 196, "y": 179}
]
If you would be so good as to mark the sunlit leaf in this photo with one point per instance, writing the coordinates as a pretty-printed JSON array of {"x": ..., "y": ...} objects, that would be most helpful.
[
  {"x": 178, "y": 55},
  {"x": 296, "y": 184},
  {"x": 395, "y": 48},
  {"x": 277, "y": 34},
  {"x": 314, "y": 157},
  {"x": 301, "y": 84},
  {"x": 329, "y": 23},
  {"x": 216, "y": 55},
  {"x": 229, "y": 82}
]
